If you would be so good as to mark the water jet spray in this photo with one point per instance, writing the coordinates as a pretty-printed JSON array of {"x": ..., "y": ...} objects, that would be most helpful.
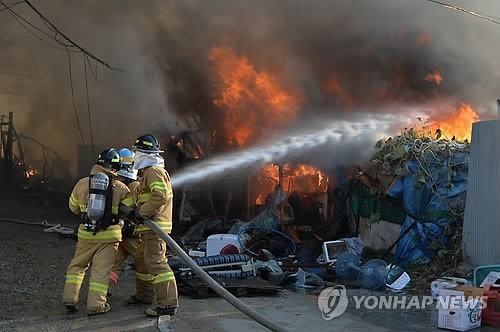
[{"x": 336, "y": 136}]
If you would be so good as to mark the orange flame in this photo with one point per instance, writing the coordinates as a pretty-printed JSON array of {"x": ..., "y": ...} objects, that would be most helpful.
[
  {"x": 252, "y": 100},
  {"x": 301, "y": 177},
  {"x": 459, "y": 125},
  {"x": 435, "y": 76},
  {"x": 30, "y": 173}
]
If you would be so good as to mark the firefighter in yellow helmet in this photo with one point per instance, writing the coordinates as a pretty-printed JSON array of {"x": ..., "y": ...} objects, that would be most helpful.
[
  {"x": 154, "y": 201},
  {"x": 130, "y": 241},
  {"x": 96, "y": 199}
]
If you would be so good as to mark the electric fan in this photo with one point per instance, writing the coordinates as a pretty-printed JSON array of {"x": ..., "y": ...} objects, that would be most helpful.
[{"x": 371, "y": 275}]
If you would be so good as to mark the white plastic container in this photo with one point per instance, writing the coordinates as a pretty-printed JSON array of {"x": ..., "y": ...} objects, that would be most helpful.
[{"x": 216, "y": 242}]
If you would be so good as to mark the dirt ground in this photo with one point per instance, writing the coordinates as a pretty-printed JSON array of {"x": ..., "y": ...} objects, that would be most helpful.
[
  {"x": 32, "y": 262},
  {"x": 32, "y": 272}
]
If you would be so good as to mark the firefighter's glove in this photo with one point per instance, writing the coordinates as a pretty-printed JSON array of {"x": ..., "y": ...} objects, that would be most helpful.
[
  {"x": 134, "y": 217},
  {"x": 128, "y": 228},
  {"x": 74, "y": 235}
]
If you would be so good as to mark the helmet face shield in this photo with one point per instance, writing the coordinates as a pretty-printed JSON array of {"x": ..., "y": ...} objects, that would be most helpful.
[
  {"x": 127, "y": 168},
  {"x": 128, "y": 173}
]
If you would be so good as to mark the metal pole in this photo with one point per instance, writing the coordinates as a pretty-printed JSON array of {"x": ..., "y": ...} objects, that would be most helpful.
[{"x": 206, "y": 278}]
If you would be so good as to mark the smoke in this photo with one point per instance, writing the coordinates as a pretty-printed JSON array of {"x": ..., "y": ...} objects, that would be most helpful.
[
  {"x": 35, "y": 79},
  {"x": 342, "y": 56}
]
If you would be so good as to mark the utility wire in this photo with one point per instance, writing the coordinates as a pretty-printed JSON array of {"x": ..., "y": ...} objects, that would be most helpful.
[
  {"x": 10, "y": 5},
  {"x": 18, "y": 18},
  {"x": 484, "y": 17},
  {"x": 73, "y": 97},
  {"x": 37, "y": 28},
  {"x": 70, "y": 44},
  {"x": 88, "y": 104},
  {"x": 54, "y": 28},
  {"x": 93, "y": 71}
]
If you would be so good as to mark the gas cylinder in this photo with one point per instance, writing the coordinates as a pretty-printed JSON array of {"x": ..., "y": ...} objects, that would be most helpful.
[{"x": 99, "y": 183}]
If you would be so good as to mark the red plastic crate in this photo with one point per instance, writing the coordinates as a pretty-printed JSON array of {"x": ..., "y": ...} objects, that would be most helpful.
[{"x": 491, "y": 314}]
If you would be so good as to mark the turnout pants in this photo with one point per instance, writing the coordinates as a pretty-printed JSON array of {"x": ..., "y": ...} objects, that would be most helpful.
[
  {"x": 152, "y": 268},
  {"x": 100, "y": 256},
  {"x": 128, "y": 246}
]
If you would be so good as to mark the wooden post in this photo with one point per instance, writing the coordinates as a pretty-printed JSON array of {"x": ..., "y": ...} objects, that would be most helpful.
[
  {"x": 9, "y": 149},
  {"x": 280, "y": 184},
  {"x": 226, "y": 208},
  {"x": 21, "y": 156}
]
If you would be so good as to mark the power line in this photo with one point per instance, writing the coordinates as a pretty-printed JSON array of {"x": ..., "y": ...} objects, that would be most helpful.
[
  {"x": 73, "y": 97},
  {"x": 70, "y": 43},
  {"x": 93, "y": 71},
  {"x": 88, "y": 104},
  {"x": 10, "y": 5},
  {"x": 18, "y": 18},
  {"x": 55, "y": 29},
  {"x": 481, "y": 16}
]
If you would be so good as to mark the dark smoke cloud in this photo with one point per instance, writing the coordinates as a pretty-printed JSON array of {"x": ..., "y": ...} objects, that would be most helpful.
[{"x": 379, "y": 52}]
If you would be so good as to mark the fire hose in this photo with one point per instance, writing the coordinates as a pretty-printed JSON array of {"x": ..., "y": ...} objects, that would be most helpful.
[{"x": 221, "y": 291}]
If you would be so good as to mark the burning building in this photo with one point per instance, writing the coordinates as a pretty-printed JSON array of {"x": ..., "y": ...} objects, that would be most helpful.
[{"x": 252, "y": 73}]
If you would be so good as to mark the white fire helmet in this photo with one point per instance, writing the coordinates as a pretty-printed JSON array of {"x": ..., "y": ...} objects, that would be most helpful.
[{"x": 128, "y": 173}]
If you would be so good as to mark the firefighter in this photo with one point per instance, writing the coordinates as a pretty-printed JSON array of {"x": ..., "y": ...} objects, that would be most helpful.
[
  {"x": 130, "y": 241},
  {"x": 155, "y": 202},
  {"x": 96, "y": 199}
]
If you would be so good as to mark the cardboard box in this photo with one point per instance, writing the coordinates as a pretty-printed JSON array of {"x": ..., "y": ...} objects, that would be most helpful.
[{"x": 460, "y": 309}]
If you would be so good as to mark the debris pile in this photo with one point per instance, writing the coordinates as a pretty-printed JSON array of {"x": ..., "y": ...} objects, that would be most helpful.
[{"x": 429, "y": 176}]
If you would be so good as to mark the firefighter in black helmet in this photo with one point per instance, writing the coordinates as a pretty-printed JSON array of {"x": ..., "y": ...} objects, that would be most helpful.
[
  {"x": 155, "y": 202},
  {"x": 95, "y": 248},
  {"x": 147, "y": 144},
  {"x": 109, "y": 158}
]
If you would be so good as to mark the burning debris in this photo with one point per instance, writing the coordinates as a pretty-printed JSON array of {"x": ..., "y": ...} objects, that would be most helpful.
[
  {"x": 457, "y": 126},
  {"x": 18, "y": 167},
  {"x": 435, "y": 77}
]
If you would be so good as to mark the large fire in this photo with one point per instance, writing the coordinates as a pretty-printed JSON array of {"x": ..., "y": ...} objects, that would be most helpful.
[
  {"x": 458, "y": 125},
  {"x": 257, "y": 102},
  {"x": 253, "y": 100},
  {"x": 301, "y": 177}
]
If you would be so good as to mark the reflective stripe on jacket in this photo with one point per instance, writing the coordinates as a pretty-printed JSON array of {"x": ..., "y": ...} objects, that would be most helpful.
[
  {"x": 130, "y": 199},
  {"x": 155, "y": 198},
  {"x": 78, "y": 204}
]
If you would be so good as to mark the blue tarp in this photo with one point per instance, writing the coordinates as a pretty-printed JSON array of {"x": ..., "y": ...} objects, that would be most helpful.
[{"x": 428, "y": 199}]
